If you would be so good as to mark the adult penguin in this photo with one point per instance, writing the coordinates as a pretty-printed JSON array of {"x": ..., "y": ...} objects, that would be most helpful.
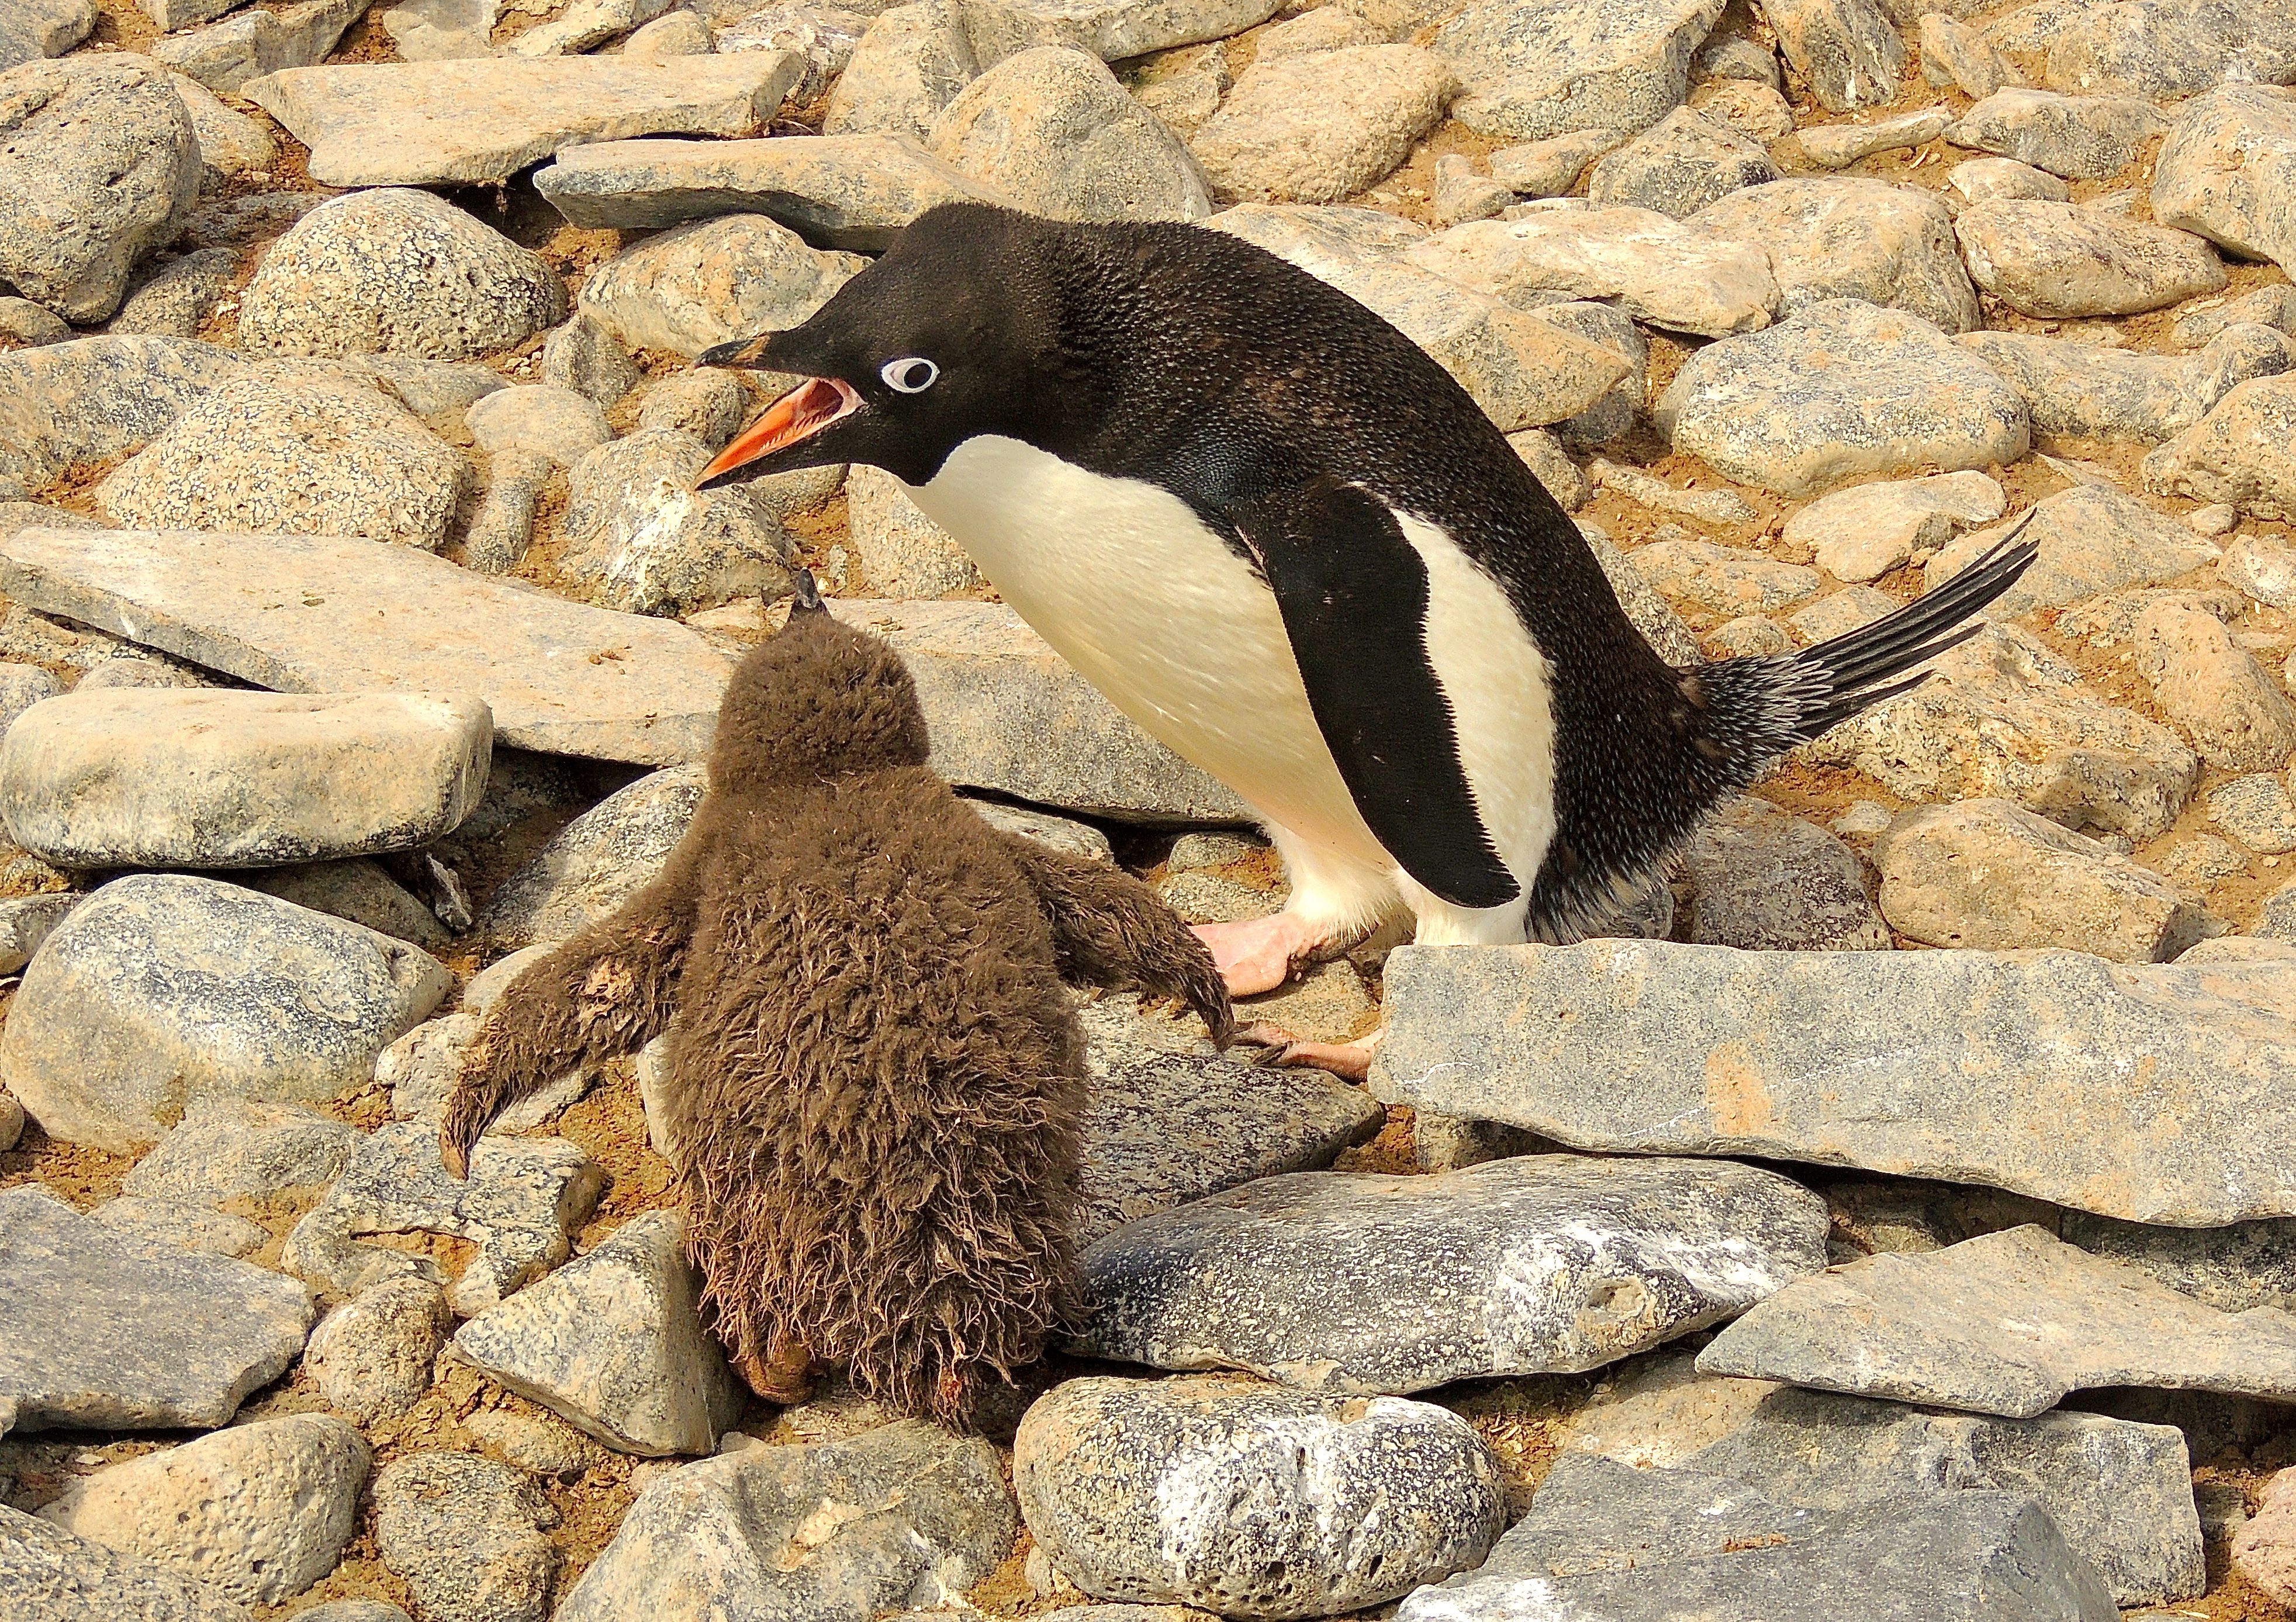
[{"x": 1286, "y": 543}]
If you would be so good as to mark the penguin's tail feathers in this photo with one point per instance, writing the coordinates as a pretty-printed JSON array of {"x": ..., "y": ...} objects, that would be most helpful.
[{"x": 1774, "y": 702}]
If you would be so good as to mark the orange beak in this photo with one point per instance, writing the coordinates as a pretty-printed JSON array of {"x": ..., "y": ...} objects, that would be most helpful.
[{"x": 799, "y": 414}]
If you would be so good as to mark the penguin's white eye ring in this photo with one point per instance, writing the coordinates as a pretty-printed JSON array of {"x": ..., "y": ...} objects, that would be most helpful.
[{"x": 913, "y": 374}]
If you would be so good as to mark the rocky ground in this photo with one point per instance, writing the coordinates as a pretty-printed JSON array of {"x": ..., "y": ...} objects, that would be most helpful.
[{"x": 362, "y": 633}]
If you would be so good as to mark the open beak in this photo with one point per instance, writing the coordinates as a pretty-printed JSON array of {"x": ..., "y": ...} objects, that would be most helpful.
[{"x": 799, "y": 414}]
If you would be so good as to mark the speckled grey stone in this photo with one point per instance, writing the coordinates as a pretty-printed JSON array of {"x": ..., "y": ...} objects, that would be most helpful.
[
  {"x": 1060, "y": 832},
  {"x": 1321, "y": 126},
  {"x": 228, "y": 1148},
  {"x": 2007, "y": 1323},
  {"x": 47, "y": 1575},
  {"x": 903, "y": 1517},
  {"x": 1550, "y": 167},
  {"x": 1845, "y": 50},
  {"x": 2081, "y": 137},
  {"x": 1852, "y": 237},
  {"x": 703, "y": 401},
  {"x": 584, "y": 356},
  {"x": 1651, "y": 614},
  {"x": 2242, "y": 452},
  {"x": 99, "y": 1329},
  {"x": 645, "y": 541},
  {"x": 1536, "y": 71},
  {"x": 97, "y": 399},
  {"x": 1990, "y": 1068},
  {"x": 1679, "y": 165},
  {"x": 1765, "y": 881},
  {"x": 1356, "y": 1283},
  {"x": 191, "y": 1227},
  {"x": 1891, "y": 395},
  {"x": 614, "y": 1342},
  {"x": 900, "y": 551},
  {"x": 44, "y": 28},
  {"x": 228, "y": 55},
  {"x": 1606, "y": 1540},
  {"x": 2093, "y": 539},
  {"x": 2167, "y": 49},
  {"x": 1250, "y": 1500},
  {"x": 177, "y": 293},
  {"x": 373, "y": 1357},
  {"x": 164, "y": 987},
  {"x": 161, "y": 777},
  {"x": 465, "y": 1534},
  {"x": 1721, "y": 579},
  {"x": 1837, "y": 146},
  {"x": 2228, "y": 172},
  {"x": 2064, "y": 260},
  {"x": 1162, "y": 1132},
  {"x": 2234, "y": 1268},
  {"x": 711, "y": 281},
  {"x": 596, "y": 863},
  {"x": 2077, "y": 390},
  {"x": 1982, "y": 179},
  {"x": 521, "y": 1205}
]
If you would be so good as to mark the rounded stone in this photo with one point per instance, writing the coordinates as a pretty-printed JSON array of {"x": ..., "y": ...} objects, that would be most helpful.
[
  {"x": 1250, "y": 1499},
  {"x": 711, "y": 281},
  {"x": 11, "y": 1123},
  {"x": 1320, "y": 128},
  {"x": 401, "y": 272},
  {"x": 465, "y": 1533},
  {"x": 541, "y": 418},
  {"x": 372, "y": 1357},
  {"x": 704, "y": 402}
]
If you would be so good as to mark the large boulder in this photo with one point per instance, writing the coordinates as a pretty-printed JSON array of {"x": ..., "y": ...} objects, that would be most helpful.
[
  {"x": 2228, "y": 171},
  {"x": 1321, "y": 126},
  {"x": 1532, "y": 72}
]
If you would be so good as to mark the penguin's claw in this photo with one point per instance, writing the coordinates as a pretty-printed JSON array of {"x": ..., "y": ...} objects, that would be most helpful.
[
  {"x": 1349, "y": 1060},
  {"x": 1257, "y": 954}
]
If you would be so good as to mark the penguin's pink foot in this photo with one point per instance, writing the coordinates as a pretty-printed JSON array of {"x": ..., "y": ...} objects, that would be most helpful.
[
  {"x": 1257, "y": 954},
  {"x": 1351, "y": 1060}
]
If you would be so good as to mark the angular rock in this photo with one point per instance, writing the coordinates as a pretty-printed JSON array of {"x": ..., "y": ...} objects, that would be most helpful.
[
  {"x": 1837, "y": 146},
  {"x": 2232, "y": 1269},
  {"x": 1052, "y": 129},
  {"x": 614, "y": 1342},
  {"x": 421, "y": 123},
  {"x": 2262, "y": 1548},
  {"x": 372, "y": 1358},
  {"x": 2242, "y": 452},
  {"x": 2080, "y": 137},
  {"x": 99, "y": 166},
  {"x": 2076, "y": 390},
  {"x": 103, "y": 1330},
  {"x": 647, "y": 542},
  {"x": 227, "y": 1149},
  {"x": 1008, "y": 714},
  {"x": 2009, "y": 1324},
  {"x": 1752, "y": 109},
  {"x": 584, "y": 24},
  {"x": 2257, "y": 811},
  {"x": 229, "y": 54},
  {"x": 709, "y": 283},
  {"x": 1991, "y": 876},
  {"x": 1845, "y": 50},
  {"x": 1677, "y": 167},
  {"x": 158, "y": 777},
  {"x": 1983, "y": 179},
  {"x": 46, "y": 1575},
  {"x": 258, "y": 1513},
  {"x": 1863, "y": 533},
  {"x": 903, "y": 1517},
  {"x": 1320, "y": 128},
  {"x": 2261, "y": 568},
  {"x": 1536, "y": 71},
  {"x": 911, "y": 63},
  {"x": 851, "y": 191},
  {"x": 465, "y": 1534},
  {"x": 582, "y": 355},
  {"x": 1552, "y": 166},
  {"x": 1250, "y": 1499},
  {"x": 2061, "y": 260},
  {"x": 2232, "y": 711},
  {"x": 321, "y": 614},
  {"x": 162, "y": 988},
  {"x": 357, "y": 890},
  {"x": 1767, "y": 881},
  {"x": 1722, "y": 579},
  {"x": 1974, "y": 1066},
  {"x": 1839, "y": 390},
  {"x": 705, "y": 402},
  {"x": 1461, "y": 194},
  {"x": 2228, "y": 172},
  {"x": 1852, "y": 238},
  {"x": 596, "y": 863},
  {"x": 2092, "y": 540},
  {"x": 1524, "y": 1266},
  {"x": 27, "y": 921},
  {"x": 521, "y": 1205},
  {"x": 2166, "y": 51},
  {"x": 44, "y": 28},
  {"x": 1659, "y": 270},
  {"x": 901, "y": 551}
]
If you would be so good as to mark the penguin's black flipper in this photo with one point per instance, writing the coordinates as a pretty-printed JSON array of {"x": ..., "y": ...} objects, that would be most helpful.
[{"x": 1353, "y": 595}]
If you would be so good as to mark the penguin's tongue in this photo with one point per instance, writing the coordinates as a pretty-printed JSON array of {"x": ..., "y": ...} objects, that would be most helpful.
[{"x": 803, "y": 412}]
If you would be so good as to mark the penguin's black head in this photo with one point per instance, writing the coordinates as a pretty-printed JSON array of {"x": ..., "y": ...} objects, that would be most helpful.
[{"x": 953, "y": 332}]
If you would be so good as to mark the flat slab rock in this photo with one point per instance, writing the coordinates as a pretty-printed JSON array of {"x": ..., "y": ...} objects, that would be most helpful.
[
  {"x": 484, "y": 119},
  {"x": 328, "y": 614},
  {"x": 2006, "y": 1069},
  {"x": 1605, "y": 1541},
  {"x": 2007, "y": 1323},
  {"x": 47, "y": 1575},
  {"x": 103, "y": 1330},
  {"x": 1347, "y": 1282}
]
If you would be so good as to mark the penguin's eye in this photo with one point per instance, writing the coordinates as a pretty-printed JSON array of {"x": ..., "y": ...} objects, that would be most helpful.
[{"x": 913, "y": 375}]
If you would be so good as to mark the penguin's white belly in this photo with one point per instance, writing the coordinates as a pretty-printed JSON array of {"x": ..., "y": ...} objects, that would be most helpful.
[{"x": 1129, "y": 586}]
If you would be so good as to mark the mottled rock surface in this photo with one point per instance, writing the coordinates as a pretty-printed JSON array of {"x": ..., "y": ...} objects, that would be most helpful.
[
  {"x": 2061, "y": 260},
  {"x": 47, "y": 1575},
  {"x": 1849, "y": 237},
  {"x": 465, "y": 1534},
  {"x": 1052, "y": 129},
  {"x": 1764, "y": 880},
  {"x": 1321, "y": 126},
  {"x": 713, "y": 281},
  {"x": 596, "y": 863},
  {"x": 1536, "y": 71}
]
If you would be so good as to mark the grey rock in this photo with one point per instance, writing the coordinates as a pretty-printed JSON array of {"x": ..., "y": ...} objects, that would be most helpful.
[
  {"x": 1649, "y": 613},
  {"x": 2235, "y": 1268},
  {"x": 1840, "y": 613},
  {"x": 2093, "y": 539},
  {"x": 582, "y": 355},
  {"x": 1461, "y": 194},
  {"x": 1679, "y": 165},
  {"x": 229, "y": 54},
  {"x": 501, "y": 525},
  {"x": 1728, "y": 58},
  {"x": 541, "y": 1443},
  {"x": 1161, "y": 1131},
  {"x": 27, "y": 921},
  {"x": 419, "y": 123},
  {"x": 158, "y": 777},
  {"x": 2257, "y": 811},
  {"x": 421, "y": 1067},
  {"x": 584, "y": 24},
  {"x": 910, "y": 63},
  {"x": 2240, "y": 453},
  {"x": 46, "y": 1575},
  {"x": 2275, "y": 919},
  {"x": 2081, "y": 137},
  {"x": 1416, "y": 1282},
  {"x": 21, "y": 686},
  {"x": 2260, "y": 566},
  {"x": 1754, "y": 109},
  {"x": 901, "y": 552},
  {"x": 44, "y": 28},
  {"x": 1062, "y": 833},
  {"x": 193, "y": 1227},
  {"x": 2228, "y": 172},
  {"x": 465, "y": 1534},
  {"x": 614, "y": 1342},
  {"x": 162, "y": 988},
  {"x": 1991, "y": 876},
  {"x": 30, "y": 326},
  {"x": 1846, "y": 51},
  {"x": 903, "y": 1517},
  {"x": 711, "y": 281},
  {"x": 1721, "y": 579},
  {"x": 677, "y": 33},
  {"x": 438, "y": 30},
  {"x": 1954, "y": 53},
  {"x": 1849, "y": 237},
  {"x": 2076, "y": 390},
  {"x": 521, "y": 1205},
  {"x": 596, "y": 863},
  {"x": 396, "y": 271},
  {"x": 1659, "y": 269},
  {"x": 1895, "y": 394},
  {"x": 1536, "y": 71},
  {"x": 1996, "y": 1068},
  {"x": 353, "y": 1610},
  {"x": 1250, "y": 1500},
  {"x": 1865, "y": 532},
  {"x": 646, "y": 541},
  {"x": 106, "y": 1330},
  {"x": 1982, "y": 179},
  {"x": 1550, "y": 167},
  {"x": 2007, "y": 1323},
  {"x": 1605, "y": 1540},
  {"x": 1619, "y": 409},
  {"x": 359, "y": 889},
  {"x": 851, "y": 191},
  {"x": 372, "y": 1358},
  {"x": 298, "y": 613},
  {"x": 1052, "y": 129},
  {"x": 1337, "y": 29},
  {"x": 1836, "y": 146},
  {"x": 542, "y": 419},
  {"x": 2214, "y": 692},
  {"x": 1008, "y": 714},
  {"x": 98, "y": 167},
  {"x": 704, "y": 402},
  {"x": 1542, "y": 452},
  {"x": 2167, "y": 51},
  {"x": 2061, "y": 260},
  {"x": 258, "y": 1513},
  {"x": 226, "y": 1149},
  {"x": 178, "y": 294},
  {"x": 1320, "y": 128},
  {"x": 1765, "y": 881}
]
